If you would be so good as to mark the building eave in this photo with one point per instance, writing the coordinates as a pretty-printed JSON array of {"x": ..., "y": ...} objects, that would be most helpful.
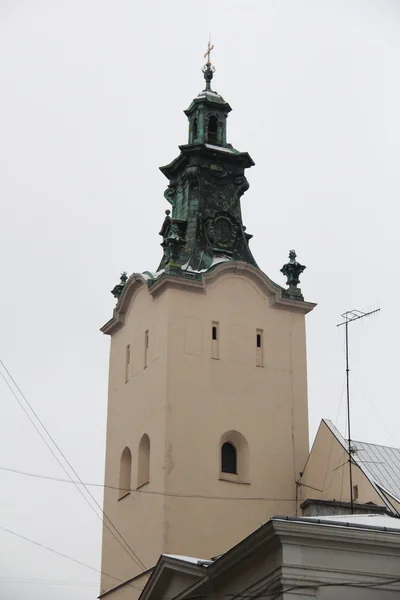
[
  {"x": 199, "y": 285},
  {"x": 206, "y": 150},
  {"x": 258, "y": 277},
  {"x": 208, "y": 100},
  {"x": 132, "y": 286},
  {"x": 163, "y": 572},
  {"x": 289, "y": 530},
  {"x": 124, "y": 583}
]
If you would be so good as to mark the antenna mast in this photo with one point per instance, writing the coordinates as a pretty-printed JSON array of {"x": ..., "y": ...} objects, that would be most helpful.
[{"x": 349, "y": 317}]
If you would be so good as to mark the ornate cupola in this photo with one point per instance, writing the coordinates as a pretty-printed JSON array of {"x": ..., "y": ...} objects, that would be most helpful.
[
  {"x": 207, "y": 114},
  {"x": 206, "y": 182}
]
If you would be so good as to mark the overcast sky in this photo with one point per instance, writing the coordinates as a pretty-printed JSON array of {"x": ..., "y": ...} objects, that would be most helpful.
[{"x": 91, "y": 101}]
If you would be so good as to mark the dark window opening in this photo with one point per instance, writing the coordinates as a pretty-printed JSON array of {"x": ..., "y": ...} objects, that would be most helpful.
[
  {"x": 146, "y": 347},
  {"x": 228, "y": 458},
  {"x": 355, "y": 492},
  {"x": 258, "y": 340},
  {"x": 212, "y": 129},
  {"x": 214, "y": 332},
  {"x": 195, "y": 130}
]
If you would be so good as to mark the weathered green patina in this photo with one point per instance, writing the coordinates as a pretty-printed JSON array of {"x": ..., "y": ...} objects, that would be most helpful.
[
  {"x": 292, "y": 271},
  {"x": 117, "y": 290},
  {"x": 206, "y": 182}
]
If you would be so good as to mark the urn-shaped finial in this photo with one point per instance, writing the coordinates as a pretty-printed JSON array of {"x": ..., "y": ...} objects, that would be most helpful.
[
  {"x": 292, "y": 271},
  {"x": 117, "y": 290}
]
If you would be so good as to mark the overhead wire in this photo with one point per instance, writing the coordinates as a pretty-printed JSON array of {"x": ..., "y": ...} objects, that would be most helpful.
[
  {"x": 131, "y": 552},
  {"x": 75, "y": 560},
  {"x": 332, "y": 436},
  {"x": 313, "y": 586},
  {"x": 241, "y": 594},
  {"x": 127, "y": 490},
  {"x": 50, "y": 582},
  {"x": 378, "y": 414},
  {"x": 23, "y": 537}
]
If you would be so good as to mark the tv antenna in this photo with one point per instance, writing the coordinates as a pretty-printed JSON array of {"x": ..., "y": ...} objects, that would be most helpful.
[{"x": 349, "y": 317}]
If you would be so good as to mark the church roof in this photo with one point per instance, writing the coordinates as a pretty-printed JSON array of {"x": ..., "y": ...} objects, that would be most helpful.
[
  {"x": 381, "y": 464},
  {"x": 190, "y": 559},
  {"x": 372, "y": 521}
]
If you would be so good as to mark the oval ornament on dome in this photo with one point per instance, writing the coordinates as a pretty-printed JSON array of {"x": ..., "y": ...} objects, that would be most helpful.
[
  {"x": 217, "y": 169},
  {"x": 223, "y": 231}
]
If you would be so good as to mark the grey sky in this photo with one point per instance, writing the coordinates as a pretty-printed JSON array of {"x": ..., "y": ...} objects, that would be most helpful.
[{"x": 92, "y": 93}]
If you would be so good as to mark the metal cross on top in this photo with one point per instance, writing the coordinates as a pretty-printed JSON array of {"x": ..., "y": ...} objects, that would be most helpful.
[{"x": 207, "y": 54}]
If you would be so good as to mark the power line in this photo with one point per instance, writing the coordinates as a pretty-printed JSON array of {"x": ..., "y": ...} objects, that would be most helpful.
[
  {"x": 22, "y": 537},
  {"x": 60, "y": 463},
  {"x": 367, "y": 585},
  {"x": 50, "y": 582},
  {"x": 313, "y": 586},
  {"x": 133, "y": 555},
  {"x": 173, "y": 494}
]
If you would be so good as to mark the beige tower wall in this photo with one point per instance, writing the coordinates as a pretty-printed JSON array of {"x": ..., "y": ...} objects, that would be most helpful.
[
  {"x": 208, "y": 397},
  {"x": 192, "y": 393},
  {"x": 136, "y": 407}
]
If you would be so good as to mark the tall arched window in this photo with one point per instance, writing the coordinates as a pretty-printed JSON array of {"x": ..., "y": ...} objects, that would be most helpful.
[
  {"x": 194, "y": 130},
  {"x": 125, "y": 470},
  {"x": 234, "y": 457},
  {"x": 228, "y": 458},
  {"x": 143, "y": 476},
  {"x": 213, "y": 129}
]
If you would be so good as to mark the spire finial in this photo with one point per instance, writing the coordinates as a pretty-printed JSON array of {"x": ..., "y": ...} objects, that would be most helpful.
[
  {"x": 208, "y": 68},
  {"x": 208, "y": 51}
]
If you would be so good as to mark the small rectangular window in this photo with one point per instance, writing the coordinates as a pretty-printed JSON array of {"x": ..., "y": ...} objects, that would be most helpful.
[
  {"x": 214, "y": 340},
  {"x": 127, "y": 361},
  {"x": 259, "y": 348},
  {"x": 355, "y": 492},
  {"x": 146, "y": 347}
]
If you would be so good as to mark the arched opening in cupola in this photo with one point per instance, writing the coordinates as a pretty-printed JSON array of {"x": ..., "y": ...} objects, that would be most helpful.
[
  {"x": 212, "y": 129},
  {"x": 194, "y": 130}
]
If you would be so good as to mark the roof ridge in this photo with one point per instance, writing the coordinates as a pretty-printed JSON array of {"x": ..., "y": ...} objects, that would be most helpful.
[{"x": 373, "y": 444}]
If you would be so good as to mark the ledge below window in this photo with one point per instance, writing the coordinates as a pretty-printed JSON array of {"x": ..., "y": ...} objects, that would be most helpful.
[
  {"x": 124, "y": 496},
  {"x": 233, "y": 478},
  {"x": 139, "y": 487}
]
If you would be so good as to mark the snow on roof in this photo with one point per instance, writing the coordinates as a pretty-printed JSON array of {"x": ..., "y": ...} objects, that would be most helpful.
[
  {"x": 189, "y": 559},
  {"x": 214, "y": 95},
  {"x": 372, "y": 520},
  {"x": 220, "y": 148},
  {"x": 152, "y": 275},
  {"x": 216, "y": 260},
  {"x": 381, "y": 464}
]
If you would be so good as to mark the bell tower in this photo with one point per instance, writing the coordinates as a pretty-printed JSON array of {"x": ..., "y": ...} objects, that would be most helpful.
[{"x": 207, "y": 427}]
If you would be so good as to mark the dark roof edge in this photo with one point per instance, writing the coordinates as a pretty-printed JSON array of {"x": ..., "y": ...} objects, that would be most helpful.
[
  {"x": 127, "y": 582},
  {"x": 331, "y": 522}
]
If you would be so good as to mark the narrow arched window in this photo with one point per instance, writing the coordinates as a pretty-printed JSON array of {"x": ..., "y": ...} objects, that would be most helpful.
[
  {"x": 234, "y": 457},
  {"x": 125, "y": 470},
  {"x": 228, "y": 458},
  {"x": 213, "y": 129},
  {"x": 194, "y": 130},
  {"x": 143, "y": 476}
]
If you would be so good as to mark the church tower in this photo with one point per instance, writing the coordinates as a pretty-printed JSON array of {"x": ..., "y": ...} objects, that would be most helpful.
[{"x": 207, "y": 427}]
